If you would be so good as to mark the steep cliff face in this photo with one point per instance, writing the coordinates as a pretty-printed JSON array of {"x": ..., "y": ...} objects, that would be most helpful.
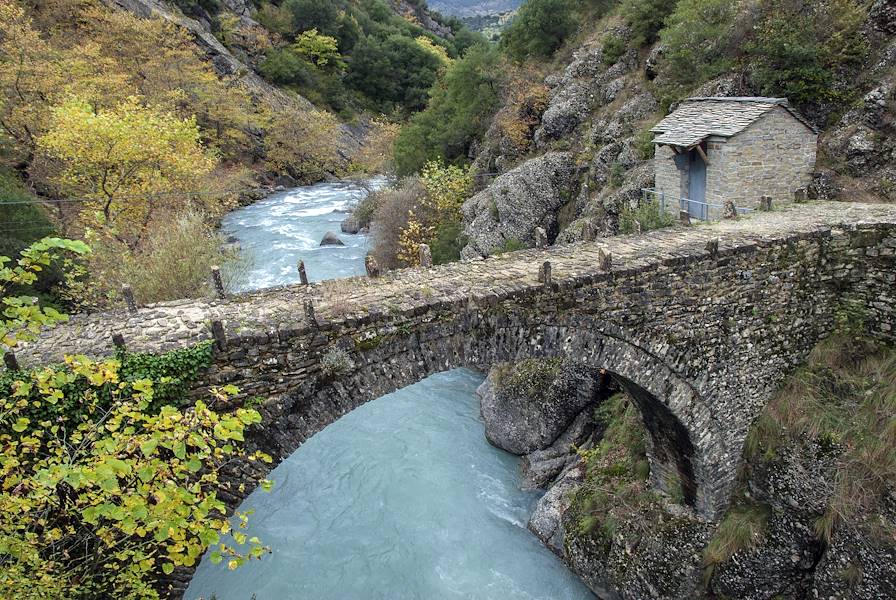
[
  {"x": 223, "y": 61},
  {"x": 602, "y": 103}
]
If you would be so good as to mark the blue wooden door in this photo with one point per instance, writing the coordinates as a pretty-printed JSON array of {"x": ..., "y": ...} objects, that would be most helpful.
[{"x": 697, "y": 185}]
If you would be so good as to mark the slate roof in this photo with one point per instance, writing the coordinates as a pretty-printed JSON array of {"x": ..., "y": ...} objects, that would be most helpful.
[{"x": 698, "y": 118}]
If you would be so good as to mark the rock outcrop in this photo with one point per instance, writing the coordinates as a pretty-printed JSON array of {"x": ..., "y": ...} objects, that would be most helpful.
[
  {"x": 331, "y": 239},
  {"x": 527, "y": 405},
  {"x": 350, "y": 224},
  {"x": 508, "y": 212}
]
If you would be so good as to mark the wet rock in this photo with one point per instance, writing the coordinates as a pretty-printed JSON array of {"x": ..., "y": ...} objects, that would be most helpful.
[
  {"x": 350, "y": 225},
  {"x": 527, "y": 405},
  {"x": 546, "y": 521},
  {"x": 284, "y": 181},
  {"x": 331, "y": 239}
]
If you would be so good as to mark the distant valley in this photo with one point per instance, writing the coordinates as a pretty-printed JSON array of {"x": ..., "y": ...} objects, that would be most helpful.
[{"x": 472, "y": 8}]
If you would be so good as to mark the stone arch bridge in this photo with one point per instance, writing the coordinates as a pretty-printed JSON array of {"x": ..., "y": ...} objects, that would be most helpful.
[{"x": 700, "y": 324}]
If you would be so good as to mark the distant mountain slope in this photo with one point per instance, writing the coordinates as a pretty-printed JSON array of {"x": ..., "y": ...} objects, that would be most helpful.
[{"x": 470, "y": 8}]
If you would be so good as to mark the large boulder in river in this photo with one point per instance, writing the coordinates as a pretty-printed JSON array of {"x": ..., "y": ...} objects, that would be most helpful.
[
  {"x": 527, "y": 405},
  {"x": 518, "y": 202},
  {"x": 331, "y": 239}
]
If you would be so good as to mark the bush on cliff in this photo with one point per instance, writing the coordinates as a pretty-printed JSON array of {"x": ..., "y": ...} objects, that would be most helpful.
[
  {"x": 539, "y": 28},
  {"x": 461, "y": 104}
]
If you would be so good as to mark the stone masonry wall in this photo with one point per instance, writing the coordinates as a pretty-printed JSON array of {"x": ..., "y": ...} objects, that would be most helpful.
[
  {"x": 705, "y": 335},
  {"x": 669, "y": 179},
  {"x": 773, "y": 157}
]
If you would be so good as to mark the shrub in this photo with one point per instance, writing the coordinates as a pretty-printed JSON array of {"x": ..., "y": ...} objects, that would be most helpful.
[
  {"x": 647, "y": 214},
  {"x": 174, "y": 262},
  {"x": 803, "y": 49},
  {"x": 102, "y": 490},
  {"x": 539, "y": 28},
  {"x": 526, "y": 98},
  {"x": 275, "y": 18},
  {"x": 391, "y": 217},
  {"x": 449, "y": 241},
  {"x": 458, "y": 113},
  {"x": 102, "y": 502},
  {"x": 698, "y": 40},
  {"x": 394, "y": 73},
  {"x": 511, "y": 245},
  {"x": 616, "y": 176},
  {"x": 335, "y": 362},
  {"x": 284, "y": 67},
  {"x": 646, "y": 18},
  {"x": 22, "y": 219},
  {"x": 612, "y": 50},
  {"x": 303, "y": 147}
]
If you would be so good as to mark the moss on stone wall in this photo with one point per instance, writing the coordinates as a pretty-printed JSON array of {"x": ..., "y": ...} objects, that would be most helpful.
[{"x": 529, "y": 378}]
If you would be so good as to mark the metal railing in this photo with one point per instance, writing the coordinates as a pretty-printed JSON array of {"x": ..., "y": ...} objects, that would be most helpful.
[{"x": 704, "y": 211}]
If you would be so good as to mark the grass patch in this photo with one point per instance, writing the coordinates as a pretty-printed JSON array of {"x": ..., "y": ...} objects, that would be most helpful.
[
  {"x": 741, "y": 529},
  {"x": 528, "y": 378},
  {"x": 616, "y": 471},
  {"x": 843, "y": 402},
  {"x": 511, "y": 245}
]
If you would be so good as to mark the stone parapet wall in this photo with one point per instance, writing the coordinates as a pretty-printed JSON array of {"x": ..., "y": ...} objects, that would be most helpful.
[{"x": 706, "y": 334}]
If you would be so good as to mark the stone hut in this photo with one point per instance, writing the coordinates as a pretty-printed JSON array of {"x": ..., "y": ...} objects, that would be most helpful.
[{"x": 713, "y": 149}]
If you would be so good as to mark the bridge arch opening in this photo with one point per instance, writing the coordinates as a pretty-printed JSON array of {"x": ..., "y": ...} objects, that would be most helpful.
[{"x": 670, "y": 450}]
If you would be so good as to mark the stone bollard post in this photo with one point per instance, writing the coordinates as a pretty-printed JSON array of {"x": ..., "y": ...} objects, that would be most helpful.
[
  {"x": 9, "y": 359},
  {"x": 370, "y": 264},
  {"x": 765, "y": 203},
  {"x": 712, "y": 246},
  {"x": 218, "y": 282},
  {"x": 800, "y": 195},
  {"x": 541, "y": 237},
  {"x": 425, "y": 256},
  {"x": 730, "y": 210},
  {"x": 544, "y": 274},
  {"x": 128, "y": 295},
  {"x": 604, "y": 260},
  {"x": 118, "y": 341},
  {"x": 219, "y": 335},
  {"x": 638, "y": 228},
  {"x": 684, "y": 217},
  {"x": 303, "y": 276},
  {"x": 309, "y": 310}
]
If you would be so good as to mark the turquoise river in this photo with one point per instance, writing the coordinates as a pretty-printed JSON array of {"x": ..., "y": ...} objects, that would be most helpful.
[{"x": 403, "y": 498}]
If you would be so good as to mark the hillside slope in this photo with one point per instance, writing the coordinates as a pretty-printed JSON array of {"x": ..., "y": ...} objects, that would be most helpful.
[{"x": 608, "y": 87}]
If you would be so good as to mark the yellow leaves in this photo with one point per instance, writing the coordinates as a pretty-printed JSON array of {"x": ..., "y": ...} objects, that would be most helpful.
[
  {"x": 318, "y": 49},
  {"x": 303, "y": 146},
  {"x": 119, "y": 158},
  {"x": 133, "y": 476},
  {"x": 446, "y": 187},
  {"x": 410, "y": 238},
  {"x": 434, "y": 49}
]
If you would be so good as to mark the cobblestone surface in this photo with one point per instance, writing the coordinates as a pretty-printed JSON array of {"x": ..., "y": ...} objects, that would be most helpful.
[{"x": 169, "y": 325}]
